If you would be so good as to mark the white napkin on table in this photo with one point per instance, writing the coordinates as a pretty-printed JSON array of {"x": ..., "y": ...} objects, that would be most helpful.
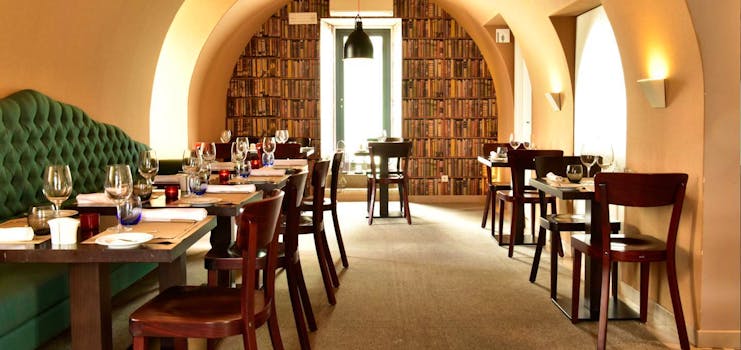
[
  {"x": 555, "y": 178},
  {"x": 169, "y": 214},
  {"x": 249, "y": 188},
  {"x": 168, "y": 179},
  {"x": 222, "y": 166},
  {"x": 94, "y": 198},
  {"x": 267, "y": 172},
  {"x": 16, "y": 234}
]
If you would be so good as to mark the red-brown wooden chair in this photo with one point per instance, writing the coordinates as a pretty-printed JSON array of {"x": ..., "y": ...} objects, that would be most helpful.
[
  {"x": 493, "y": 186},
  {"x": 633, "y": 190},
  {"x": 398, "y": 152},
  {"x": 216, "y": 312},
  {"x": 520, "y": 194}
]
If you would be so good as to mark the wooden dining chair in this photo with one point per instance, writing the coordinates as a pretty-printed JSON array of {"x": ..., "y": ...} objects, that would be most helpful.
[
  {"x": 288, "y": 259},
  {"x": 330, "y": 204},
  {"x": 520, "y": 194},
  {"x": 558, "y": 222},
  {"x": 398, "y": 152},
  {"x": 640, "y": 191},
  {"x": 216, "y": 312},
  {"x": 493, "y": 186},
  {"x": 312, "y": 223}
]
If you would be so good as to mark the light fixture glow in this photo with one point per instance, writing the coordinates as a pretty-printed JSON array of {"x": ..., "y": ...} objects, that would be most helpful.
[
  {"x": 358, "y": 44},
  {"x": 654, "y": 90}
]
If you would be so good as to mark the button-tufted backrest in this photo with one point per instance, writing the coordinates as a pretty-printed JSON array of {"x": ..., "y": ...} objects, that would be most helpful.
[{"x": 35, "y": 131}]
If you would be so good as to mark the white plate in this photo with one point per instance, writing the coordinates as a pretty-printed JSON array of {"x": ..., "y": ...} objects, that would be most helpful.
[
  {"x": 126, "y": 240},
  {"x": 200, "y": 201}
]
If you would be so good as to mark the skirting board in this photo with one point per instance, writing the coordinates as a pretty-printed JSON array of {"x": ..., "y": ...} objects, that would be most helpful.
[{"x": 661, "y": 323}]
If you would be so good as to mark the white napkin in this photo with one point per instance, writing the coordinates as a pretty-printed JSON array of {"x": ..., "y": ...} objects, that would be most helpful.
[
  {"x": 16, "y": 234},
  {"x": 168, "y": 179},
  {"x": 170, "y": 214},
  {"x": 222, "y": 166},
  {"x": 290, "y": 162},
  {"x": 267, "y": 172},
  {"x": 231, "y": 188},
  {"x": 94, "y": 199},
  {"x": 555, "y": 178}
]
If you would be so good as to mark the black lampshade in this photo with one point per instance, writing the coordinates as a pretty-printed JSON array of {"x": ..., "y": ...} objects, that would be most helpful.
[{"x": 358, "y": 44}]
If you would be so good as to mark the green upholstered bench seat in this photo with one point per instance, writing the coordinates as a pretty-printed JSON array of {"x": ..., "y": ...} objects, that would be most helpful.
[
  {"x": 34, "y": 302},
  {"x": 35, "y": 131}
]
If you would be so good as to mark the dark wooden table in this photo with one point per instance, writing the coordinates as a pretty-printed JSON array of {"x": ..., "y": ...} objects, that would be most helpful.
[
  {"x": 89, "y": 280},
  {"x": 519, "y": 234},
  {"x": 593, "y": 266}
]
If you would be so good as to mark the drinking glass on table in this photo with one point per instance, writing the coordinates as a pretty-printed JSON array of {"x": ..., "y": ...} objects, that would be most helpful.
[
  {"x": 512, "y": 142},
  {"x": 226, "y": 136},
  {"x": 192, "y": 160},
  {"x": 587, "y": 157},
  {"x": 605, "y": 156},
  {"x": 574, "y": 172},
  {"x": 208, "y": 152},
  {"x": 130, "y": 212},
  {"x": 268, "y": 147},
  {"x": 57, "y": 184},
  {"x": 118, "y": 187},
  {"x": 281, "y": 136},
  {"x": 148, "y": 164}
]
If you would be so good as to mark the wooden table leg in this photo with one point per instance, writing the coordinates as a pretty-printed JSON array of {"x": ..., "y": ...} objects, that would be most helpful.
[
  {"x": 90, "y": 306},
  {"x": 172, "y": 273},
  {"x": 383, "y": 189}
]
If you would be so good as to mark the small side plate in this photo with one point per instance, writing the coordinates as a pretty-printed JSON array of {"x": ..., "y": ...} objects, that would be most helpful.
[{"x": 126, "y": 240}]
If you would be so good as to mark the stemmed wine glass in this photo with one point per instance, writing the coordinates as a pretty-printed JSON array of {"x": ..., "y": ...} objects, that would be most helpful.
[
  {"x": 57, "y": 184},
  {"x": 512, "y": 142},
  {"x": 268, "y": 147},
  {"x": 281, "y": 136},
  {"x": 149, "y": 165},
  {"x": 118, "y": 188},
  {"x": 208, "y": 151},
  {"x": 587, "y": 157},
  {"x": 192, "y": 160},
  {"x": 605, "y": 157},
  {"x": 226, "y": 135}
]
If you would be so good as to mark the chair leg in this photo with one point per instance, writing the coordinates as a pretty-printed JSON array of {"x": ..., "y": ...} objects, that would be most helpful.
[
  {"x": 273, "y": 328},
  {"x": 501, "y": 222},
  {"x": 615, "y": 280},
  {"x": 532, "y": 220},
  {"x": 371, "y": 201},
  {"x": 575, "y": 287},
  {"x": 305, "y": 301},
  {"x": 139, "y": 343},
  {"x": 536, "y": 258},
  {"x": 249, "y": 338},
  {"x": 645, "y": 270},
  {"x": 555, "y": 242},
  {"x": 407, "y": 213},
  {"x": 298, "y": 313},
  {"x": 513, "y": 229},
  {"x": 486, "y": 209},
  {"x": 329, "y": 260},
  {"x": 493, "y": 200},
  {"x": 324, "y": 268},
  {"x": 671, "y": 274},
  {"x": 604, "y": 305},
  {"x": 338, "y": 233}
]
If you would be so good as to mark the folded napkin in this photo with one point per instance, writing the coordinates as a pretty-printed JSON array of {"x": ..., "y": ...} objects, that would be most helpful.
[
  {"x": 231, "y": 188},
  {"x": 170, "y": 214},
  {"x": 290, "y": 162},
  {"x": 555, "y": 178},
  {"x": 94, "y": 198},
  {"x": 16, "y": 234},
  {"x": 222, "y": 166},
  {"x": 168, "y": 179},
  {"x": 267, "y": 172}
]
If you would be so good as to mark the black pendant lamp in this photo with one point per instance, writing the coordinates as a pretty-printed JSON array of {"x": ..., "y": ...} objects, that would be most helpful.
[{"x": 358, "y": 44}]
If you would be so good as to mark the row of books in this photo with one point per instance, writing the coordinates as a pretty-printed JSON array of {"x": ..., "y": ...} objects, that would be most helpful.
[
  {"x": 450, "y": 128},
  {"x": 453, "y": 187},
  {"x": 445, "y": 148},
  {"x": 258, "y": 126},
  {"x": 432, "y": 28},
  {"x": 418, "y": 9},
  {"x": 257, "y": 68},
  {"x": 452, "y": 88},
  {"x": 440, "y": 48},
  {"x": 465, "y": 168},
  {"x": 299, "y": 48},
  {"x": 308, "y": 69},
  {"x": 262, "y": 47},
  {"x": 255, "y": 87},
  {"x": 299, "y": 109},
  {"x": 447, "y": 68},
  {"x": 253, "y": 106},
  {"x": 457, "y": 108}
]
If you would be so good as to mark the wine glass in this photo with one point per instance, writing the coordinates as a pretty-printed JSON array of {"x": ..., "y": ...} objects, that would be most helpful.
[
  {"x": 512, "y": 142},
  {"x": 192, "y": 160},
  {"x": 208, "y": 151},
  {"x": 268, "y": 147},
  {"x": 118, "y": 187},
  {"x": 574, "y": 172},
  {"x": 605, "y": 157},
  {"x": 587, "y": 157},
  {"x": 149, "y": 165},
  {"x": 57, "y": 184},
  {"x": 226, "y": 136},
  {"x": 237, "y": 153},
  {"x": 281, "y": 136},
  {"x": 130, "y": 212}
]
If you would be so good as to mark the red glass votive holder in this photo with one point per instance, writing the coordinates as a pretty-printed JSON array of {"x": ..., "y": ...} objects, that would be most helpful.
[
  {"x": 89, "y": 225},
  {"x": 172, "y": 192},
  {"x": 224, "y": 175}
]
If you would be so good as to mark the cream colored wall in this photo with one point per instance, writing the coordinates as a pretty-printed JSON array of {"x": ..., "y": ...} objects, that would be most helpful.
[{"x": 97, "y": 55}]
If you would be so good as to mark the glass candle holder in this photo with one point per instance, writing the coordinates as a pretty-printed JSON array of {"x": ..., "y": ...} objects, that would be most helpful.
[
  {"x": 224, "y": 175},
  {"x": 172, "y": 192}
]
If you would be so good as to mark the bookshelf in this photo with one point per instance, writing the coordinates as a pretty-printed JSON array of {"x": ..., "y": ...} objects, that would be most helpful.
[
  {"x": 448, "y": 101},
  {"x": 275, "y": 82}
]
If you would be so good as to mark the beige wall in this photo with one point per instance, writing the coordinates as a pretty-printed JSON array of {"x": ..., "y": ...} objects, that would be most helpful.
[{"x": 103, "y": 55}]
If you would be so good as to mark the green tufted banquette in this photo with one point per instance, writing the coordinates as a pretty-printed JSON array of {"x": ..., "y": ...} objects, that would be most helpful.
[{"x": 36, "y": 130}]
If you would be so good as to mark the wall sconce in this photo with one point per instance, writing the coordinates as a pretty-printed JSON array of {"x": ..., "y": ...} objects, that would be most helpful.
[
  {"x": 653, "y": 89},
  {"x": 554, "y": 99}
]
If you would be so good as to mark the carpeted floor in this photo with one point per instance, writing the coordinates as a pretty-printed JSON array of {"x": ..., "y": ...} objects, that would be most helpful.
[{"x": 441, "y": 283}]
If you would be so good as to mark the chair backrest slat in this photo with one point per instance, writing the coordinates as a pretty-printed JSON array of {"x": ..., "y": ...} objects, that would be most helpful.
[
  {"x": 399, "y": 150},
  {"x": 336, "y": 168}
]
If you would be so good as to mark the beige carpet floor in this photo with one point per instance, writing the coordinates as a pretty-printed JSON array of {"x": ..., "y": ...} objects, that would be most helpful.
[{"x": 441, "y": 283}]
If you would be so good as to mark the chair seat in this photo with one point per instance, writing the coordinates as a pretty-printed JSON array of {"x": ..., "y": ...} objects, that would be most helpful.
[
  {"x": 624, "y": 247},
  {"x": 308, "y": 204},
  {"x": 528, "y": 196},
  {"x": 173, "y": 312}
]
